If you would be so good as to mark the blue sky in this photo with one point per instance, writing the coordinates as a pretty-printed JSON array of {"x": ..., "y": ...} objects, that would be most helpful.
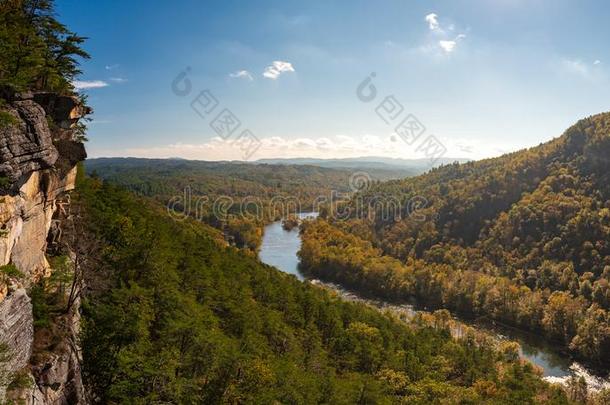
[{"x": 483, "y": 76}]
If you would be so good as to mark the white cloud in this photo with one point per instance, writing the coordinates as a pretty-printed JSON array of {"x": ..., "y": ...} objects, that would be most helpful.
[
  {"x": 273, "y": 147},
  {"x": 575, "y": 66},
  {"x": 591, "y": 71},
  {"x": 579, "y": 68},
  {"x": 371, "y": 141},
  {"x": 465, "y": 148},
  {"x": 441, "y": 40},
  {"x": 339, "y": 146},
  {"x": 277, "y": 68},
  {"x": 118, "y": 79},
  {"x": 93, "y": 84},
  {"x": 448, "y": 46},
  {"x": 241, "y": 74},
  {"x": 432, "y": 20},
  {"x": 112, "y": 67},
  {"x": 304, "y": 143},
  {"x": 324, "y": 143}
]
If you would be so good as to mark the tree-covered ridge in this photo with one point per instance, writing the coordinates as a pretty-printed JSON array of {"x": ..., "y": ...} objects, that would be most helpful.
[
  {"x": 38, "y": 52},
  {"x": 524, "y": 238},
  {"x": 164, "y": 178},
  {"x": 253, "y": 193},
  {"x": 180, "y": 318}
]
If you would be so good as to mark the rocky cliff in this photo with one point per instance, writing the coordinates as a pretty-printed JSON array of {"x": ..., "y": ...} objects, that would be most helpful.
[{"x": 39, "y": 151}]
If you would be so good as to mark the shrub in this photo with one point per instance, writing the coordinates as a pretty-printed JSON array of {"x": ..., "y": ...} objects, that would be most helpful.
[
  {"x": 11, "y": 271},
  {"x": 7, "y": 119}
]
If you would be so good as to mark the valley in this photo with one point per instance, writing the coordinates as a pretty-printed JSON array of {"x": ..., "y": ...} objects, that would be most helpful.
[
  {"x": 521, "y": 239},
  {"x": 238, "y": 198},
  {"x": 304, "y": 203},
  {"x": 280, "y": 248}
]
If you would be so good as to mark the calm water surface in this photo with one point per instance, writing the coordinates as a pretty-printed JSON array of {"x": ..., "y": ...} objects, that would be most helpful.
[{"x": 280, "y": 247}]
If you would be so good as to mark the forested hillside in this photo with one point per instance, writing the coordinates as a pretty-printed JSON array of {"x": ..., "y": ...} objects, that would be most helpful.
[
  {"x": 523, "y": 239},
  {"x": 246, "y": 195},
  {"x": 177, "y": 317}
]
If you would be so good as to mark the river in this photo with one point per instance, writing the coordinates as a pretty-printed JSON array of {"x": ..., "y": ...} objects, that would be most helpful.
[{"x": 279, "y": 249}]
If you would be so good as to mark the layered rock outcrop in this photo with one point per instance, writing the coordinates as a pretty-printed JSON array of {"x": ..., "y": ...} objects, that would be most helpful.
[
  {"x": 16, "y": 325},
  {"x": 27, "y": 145},
  {"x": 38, "y": 156}
]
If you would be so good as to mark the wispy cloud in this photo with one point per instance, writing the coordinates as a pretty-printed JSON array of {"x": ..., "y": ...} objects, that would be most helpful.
[
  {"x": 241, "y": 74},
  {"x": 92, "y": 84},
  {"x": 443, "y": 38},
  {"x": 575, "y": 66},
  {"x": 118, "y": 80},
  {"x": 449, "y": 45},
  {"x": 432, "y": 20},
  {"x": 339, "y": 146},
  {"x": 277, "y": 68},
  {"x": 112, "y": 67},
  {"x": 578, "y": 67}
]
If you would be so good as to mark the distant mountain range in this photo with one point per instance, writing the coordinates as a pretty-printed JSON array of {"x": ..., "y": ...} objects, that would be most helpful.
[
  {"x": 412, "y": 166},
  {"x": 380, "y": 168},
  {"x": 372, "y": 162}
]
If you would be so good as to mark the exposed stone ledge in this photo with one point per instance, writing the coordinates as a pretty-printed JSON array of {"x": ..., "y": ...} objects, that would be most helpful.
[
  {"x": 38, "y": 154},
  {"x": 17, "y": 328},
  {"x": 30, "y": 144},
  {"x": 64, "y": 110},
  {"x": 26, "y": 146}
]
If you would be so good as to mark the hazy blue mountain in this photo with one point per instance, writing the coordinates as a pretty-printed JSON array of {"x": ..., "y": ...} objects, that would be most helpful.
[
  {"x": 378, "y": 170},
  {"x": 415, "y": 166}
]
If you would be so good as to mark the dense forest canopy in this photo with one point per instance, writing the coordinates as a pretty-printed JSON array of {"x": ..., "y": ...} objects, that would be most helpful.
[
  {"x": 184, "y": 319},
  {"x": 172, "y": 314},
  {"x": 523, "y": 239},
  {"x": 238, "y": 198}
]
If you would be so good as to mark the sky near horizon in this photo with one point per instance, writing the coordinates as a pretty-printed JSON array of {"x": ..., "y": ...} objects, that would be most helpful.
[{"x": 484, "y": 77}]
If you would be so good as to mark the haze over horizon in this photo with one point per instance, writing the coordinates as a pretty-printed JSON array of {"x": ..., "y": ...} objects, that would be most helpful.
[{"x": 483, "y": 77}]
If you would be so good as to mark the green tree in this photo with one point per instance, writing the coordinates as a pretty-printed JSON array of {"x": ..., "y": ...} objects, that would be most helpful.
[{"x": 38, "y": 52}]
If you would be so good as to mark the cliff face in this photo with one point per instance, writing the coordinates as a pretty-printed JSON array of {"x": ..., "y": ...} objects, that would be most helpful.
[{"x": 38, "y": 156}]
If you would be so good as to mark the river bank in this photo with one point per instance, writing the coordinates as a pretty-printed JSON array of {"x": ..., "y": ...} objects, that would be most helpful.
[
  {"x": 557, "y": 368},
  {"x": 280, "y": 247}
]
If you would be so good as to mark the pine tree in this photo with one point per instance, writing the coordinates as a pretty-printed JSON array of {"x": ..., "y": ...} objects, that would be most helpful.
[{"x": 38, "y": 52}]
